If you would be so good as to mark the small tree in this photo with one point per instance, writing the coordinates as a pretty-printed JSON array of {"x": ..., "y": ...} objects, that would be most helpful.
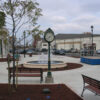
[
  {"x": 37, "y": 37},
  {"x": 36, "y": 34},
  {"x": 18, "y": 14}
]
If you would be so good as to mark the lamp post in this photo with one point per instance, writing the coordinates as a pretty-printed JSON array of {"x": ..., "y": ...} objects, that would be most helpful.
[
  {"x": 92, "y": 38},
  {"x": 24, "y": 43},
  {"x": 55, "y": 44},
  {"x": 64, "y": 44}
]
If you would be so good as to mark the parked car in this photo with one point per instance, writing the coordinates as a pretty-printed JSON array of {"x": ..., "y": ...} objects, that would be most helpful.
[
  {"x": 59, "y": 52},
  {"x": 74, "y": 50},
  {"x": 55, "y": 52},
  {"x": 10, "y": 50},
  {"x": 65, "y": 51},
  {"x": 62, "y": 52},
  {"x": 84, "y": 52},
  {"x": 68, "y": 51},
  {"x": 19, "y": 51},
  {"x": 44, "y": 50},
  {"x": 98, "y": 51},
  {"x": 30, "y": 52}
]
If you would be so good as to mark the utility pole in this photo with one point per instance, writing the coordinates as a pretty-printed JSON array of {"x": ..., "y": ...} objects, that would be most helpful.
[
  {"x": 92, "y": 40},
  {"x": 64, "y": 44},
  {"x": 24, "y": 44}
]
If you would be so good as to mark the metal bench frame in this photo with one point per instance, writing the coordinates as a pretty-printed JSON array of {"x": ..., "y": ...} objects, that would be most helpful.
[
  {"x": 91, "y": 84},
  {"x": 26, "y": 72}
]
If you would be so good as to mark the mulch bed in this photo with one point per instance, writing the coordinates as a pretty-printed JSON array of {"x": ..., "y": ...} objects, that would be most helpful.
[
  {"x": 74, "y": 56},
  {"x": 3, "y": 59},
  {"x": 35, "y": 92},
  {"x": 68, "y": 66}
]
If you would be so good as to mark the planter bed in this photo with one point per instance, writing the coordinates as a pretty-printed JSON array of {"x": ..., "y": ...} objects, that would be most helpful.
[{"x": 35, "y": 92}]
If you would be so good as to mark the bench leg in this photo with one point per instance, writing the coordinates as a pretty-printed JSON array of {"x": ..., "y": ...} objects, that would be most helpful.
[
  {"x": 83, "y": 91},
  {"x": 96, "y": 94},
  {"x": 9, "y": 79},
  {"x": 16, "y": 81},
  {"x": 41, "y": 79}
]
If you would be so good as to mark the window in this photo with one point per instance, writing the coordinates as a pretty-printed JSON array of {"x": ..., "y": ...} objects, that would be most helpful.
[{"x": 44, "y": 44}]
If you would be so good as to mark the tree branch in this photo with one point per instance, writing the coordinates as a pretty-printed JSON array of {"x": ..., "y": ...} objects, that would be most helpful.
[
  {"x": 8, "y": 17},
  {"x": 22, "y": 25},
  {"x": 9, "y": 23}
]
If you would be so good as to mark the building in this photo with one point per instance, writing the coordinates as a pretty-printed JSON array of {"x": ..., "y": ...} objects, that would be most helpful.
[
  {"x": 73, "y": 41},
  {"x": 42, "y": 44},
  {"x": 4, "y": 45}
]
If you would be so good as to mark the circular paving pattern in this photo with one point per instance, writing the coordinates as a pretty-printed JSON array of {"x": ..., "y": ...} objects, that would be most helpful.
[{"x": 68, "y": 66}]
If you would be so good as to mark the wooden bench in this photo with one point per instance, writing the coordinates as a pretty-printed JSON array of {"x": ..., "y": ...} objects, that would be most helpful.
[
  {"x": 91, "y": 84},
  {"x": 26, "y": 72}
]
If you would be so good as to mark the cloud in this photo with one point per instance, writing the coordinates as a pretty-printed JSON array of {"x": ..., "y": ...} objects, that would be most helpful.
[
  {"x": 67, "y": 28},
  {"x": 70, "y": 15},
  {"x": 85, "y": 19},
  {"x": 91, "y": 6},
  {"x": 79, "y": 24},
  {"x": 58, "y": 19}
]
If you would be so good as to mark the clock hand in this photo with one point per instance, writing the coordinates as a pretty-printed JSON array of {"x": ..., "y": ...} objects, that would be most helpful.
[{"x": 49, "y": 37}]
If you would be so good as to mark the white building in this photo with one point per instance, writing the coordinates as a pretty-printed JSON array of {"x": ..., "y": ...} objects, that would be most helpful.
[
  {"x": 42, "y": 44},
  {"x": 75, "y": 41},
  {"x": 4, "y": 45}
]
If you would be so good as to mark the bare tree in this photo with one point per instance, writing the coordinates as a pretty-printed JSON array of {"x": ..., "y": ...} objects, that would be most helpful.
[{"x": 19, "y": 13}]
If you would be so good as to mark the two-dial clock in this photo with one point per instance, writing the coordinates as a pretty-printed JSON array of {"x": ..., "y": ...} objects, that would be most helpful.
[{"x": 49, "y": 35}]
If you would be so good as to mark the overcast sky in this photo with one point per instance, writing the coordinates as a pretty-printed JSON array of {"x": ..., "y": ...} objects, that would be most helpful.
[{"x": 70, "y": 16}]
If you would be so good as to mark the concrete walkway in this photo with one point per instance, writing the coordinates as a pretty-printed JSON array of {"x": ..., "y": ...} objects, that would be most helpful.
[{"x": 71, "y": 78}]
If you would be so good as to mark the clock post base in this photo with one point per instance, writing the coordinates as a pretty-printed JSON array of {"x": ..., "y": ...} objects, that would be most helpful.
[{"x": 49, "y": 79}]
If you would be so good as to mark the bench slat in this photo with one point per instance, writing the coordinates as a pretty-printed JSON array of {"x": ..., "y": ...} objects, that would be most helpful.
[
  {"x": 27, "y": 75},
  {"x": 91, "y": 88},
  {"x": 92, "y": 84},
  {"x": 27, "y": 72}
]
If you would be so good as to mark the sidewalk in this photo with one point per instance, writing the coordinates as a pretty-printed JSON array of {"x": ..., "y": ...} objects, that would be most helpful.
[{"x": 71, "y": 78}]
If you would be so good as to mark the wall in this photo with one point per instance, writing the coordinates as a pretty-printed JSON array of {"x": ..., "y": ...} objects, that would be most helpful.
[
  {"x": 45, "y": 45},
  {"x": 77, "y": 43},
  {"x": 72, "y": 43},
  {"x": 3, "y": 48}
]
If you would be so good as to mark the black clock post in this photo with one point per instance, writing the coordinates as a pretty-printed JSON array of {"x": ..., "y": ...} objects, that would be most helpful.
[
  {"x": 49, "y": 61},
  {"x": 49, "y": 37}
]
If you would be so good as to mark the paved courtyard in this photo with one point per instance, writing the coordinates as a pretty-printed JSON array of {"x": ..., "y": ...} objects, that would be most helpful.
[{"x": 71, "y": 78}]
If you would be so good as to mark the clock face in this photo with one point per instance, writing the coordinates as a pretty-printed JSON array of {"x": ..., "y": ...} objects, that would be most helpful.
[{"x": 49, "y": 37}]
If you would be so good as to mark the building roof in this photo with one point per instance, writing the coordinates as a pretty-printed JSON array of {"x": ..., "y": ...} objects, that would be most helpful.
[{"x": 73, "y": 36}]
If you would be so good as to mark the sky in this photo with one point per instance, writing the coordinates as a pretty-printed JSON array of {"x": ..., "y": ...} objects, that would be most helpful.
[{"x": 70, "y": 16}]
